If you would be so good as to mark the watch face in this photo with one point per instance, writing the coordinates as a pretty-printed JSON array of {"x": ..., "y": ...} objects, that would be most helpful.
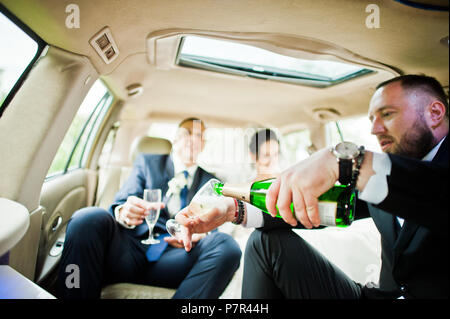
[{"x": 346, "y": 150}]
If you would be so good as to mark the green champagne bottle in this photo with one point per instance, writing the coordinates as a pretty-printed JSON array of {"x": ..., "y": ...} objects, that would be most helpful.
[{"x": 336, "y": 206}]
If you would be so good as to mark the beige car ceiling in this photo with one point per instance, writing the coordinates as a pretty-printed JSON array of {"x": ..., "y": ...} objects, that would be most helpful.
[{"x": 407, "y": 41}]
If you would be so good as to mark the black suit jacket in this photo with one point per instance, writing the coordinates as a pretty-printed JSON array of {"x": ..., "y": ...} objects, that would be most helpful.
[
  {"x": 154, "y": 171},
  {"x": 414, "y": 257}
]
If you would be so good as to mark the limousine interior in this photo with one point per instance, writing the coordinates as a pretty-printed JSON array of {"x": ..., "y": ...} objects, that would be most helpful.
[{"x": 87, "y": 85}]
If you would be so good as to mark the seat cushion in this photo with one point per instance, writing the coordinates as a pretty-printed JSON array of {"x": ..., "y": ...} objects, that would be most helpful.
[{"x": 133, "y": 291}]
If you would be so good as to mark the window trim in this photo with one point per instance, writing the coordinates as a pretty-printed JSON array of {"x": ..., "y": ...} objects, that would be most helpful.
[
  {"x": 101, "y": 115},
  {"x": 102, "y": 108},
  {"x": 41, "y": 47},
  {"x": 100, "y": 105}
]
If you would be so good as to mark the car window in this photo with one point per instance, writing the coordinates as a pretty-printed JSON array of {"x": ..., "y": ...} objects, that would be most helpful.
[
  {"x": 236, "y": 58},
  {"x": 228, "y": 147},
  {"x": 226, "y": 151},
  {"x": 355, "y": 130},
  {"x": 108, "y": 146},
  {"x": 18, "y": 50},
  {"x": 78, "y": 140},
  {"x": 163, "y": 130}
]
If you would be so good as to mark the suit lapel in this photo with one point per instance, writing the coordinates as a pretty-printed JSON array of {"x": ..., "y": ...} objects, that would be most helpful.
[
  {"x": 200, "y": 178},
  {"x": 169, "y": 169},
  {"x": 404, "y": 238},
  {"x": 387, "y": 226},
  {"x": 385, "y": 223},
  {"x": 442, "y": 155},
  {"x": 196, "y": 183},
  {"x": 409, "y": 229},
  {"x": 168, "y": 173}
]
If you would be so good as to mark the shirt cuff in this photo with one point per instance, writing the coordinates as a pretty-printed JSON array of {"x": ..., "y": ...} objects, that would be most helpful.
[
  {"x": 254, "y": 217},
  {"x": 376, "y": 189},
  {"x": 116, "y": 215}
]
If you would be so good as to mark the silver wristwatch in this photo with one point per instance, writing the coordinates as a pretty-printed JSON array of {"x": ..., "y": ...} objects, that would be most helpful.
[{"x": 346, "y": 153}]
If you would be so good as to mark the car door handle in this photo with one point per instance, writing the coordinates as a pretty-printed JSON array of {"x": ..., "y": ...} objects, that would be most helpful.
[{"x": 56, "y": 223}]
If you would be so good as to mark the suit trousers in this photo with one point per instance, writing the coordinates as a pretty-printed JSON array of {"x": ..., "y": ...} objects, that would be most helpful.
[
  {"x": 106, "y": 253},
  {"x": 280, "y": 264}
]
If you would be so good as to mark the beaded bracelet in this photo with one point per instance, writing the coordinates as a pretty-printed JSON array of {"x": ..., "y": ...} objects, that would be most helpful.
[{"x": 240, "y": 211}]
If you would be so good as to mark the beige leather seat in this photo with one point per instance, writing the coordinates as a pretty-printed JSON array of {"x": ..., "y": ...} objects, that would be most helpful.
[
  {"x": 111, "y": 179},
  {"x": 133, "y": 291}
]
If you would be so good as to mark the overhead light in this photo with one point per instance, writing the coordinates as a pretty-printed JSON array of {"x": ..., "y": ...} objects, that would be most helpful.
[{"x": 104, "y": 44}]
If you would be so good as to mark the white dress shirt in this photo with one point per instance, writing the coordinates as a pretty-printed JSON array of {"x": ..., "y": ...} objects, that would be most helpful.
[
  {"x": 376, "y": 188},
  {"x": 174, "y": 202}
]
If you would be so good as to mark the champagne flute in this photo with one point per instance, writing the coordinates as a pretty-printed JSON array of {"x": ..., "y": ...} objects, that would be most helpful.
[
  {"x": 152, "y": 196},
  {"x": 203, "y": 201}
]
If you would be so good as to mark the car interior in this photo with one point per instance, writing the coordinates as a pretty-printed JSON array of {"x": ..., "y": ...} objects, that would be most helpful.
[{"x": 85, "y": 86}]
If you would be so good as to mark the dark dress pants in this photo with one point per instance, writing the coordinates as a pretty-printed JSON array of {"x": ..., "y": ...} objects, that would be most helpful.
[
  {"x": 280, "y": 264},
  {"x": 105, "y": 253}
]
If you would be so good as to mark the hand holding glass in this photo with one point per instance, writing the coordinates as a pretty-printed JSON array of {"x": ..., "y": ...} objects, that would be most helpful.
[
  {"x": 204, "y": 201},
  {"x": 152, "y": 196}
]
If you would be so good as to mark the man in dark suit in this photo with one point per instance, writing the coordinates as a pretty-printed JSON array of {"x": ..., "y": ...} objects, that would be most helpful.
[
  {"x": 405, "y": 191},
  {"x": 106, "y": 244}
]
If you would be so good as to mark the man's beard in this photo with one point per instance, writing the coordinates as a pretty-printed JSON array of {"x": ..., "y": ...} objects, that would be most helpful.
[{"x": 416, "y": 142}]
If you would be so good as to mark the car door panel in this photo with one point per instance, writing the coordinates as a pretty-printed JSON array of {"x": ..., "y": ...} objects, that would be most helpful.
[
  {"x": 23, "y": 256},
  {"x": 60, "y": 197}
]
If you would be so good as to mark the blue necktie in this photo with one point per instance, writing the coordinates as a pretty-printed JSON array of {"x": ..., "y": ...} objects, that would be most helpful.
[
  {"x": 155, "y": 251},
  {"x": 184, "y": 193}
]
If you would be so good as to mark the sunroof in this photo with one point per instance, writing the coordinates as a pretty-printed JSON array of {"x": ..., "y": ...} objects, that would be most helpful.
[{"x": 242, "y": 59}]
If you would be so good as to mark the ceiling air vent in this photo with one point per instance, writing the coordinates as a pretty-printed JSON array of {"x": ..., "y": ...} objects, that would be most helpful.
[
  {"x": 104, "y": 45},
  {"x": 324, "y": 115}
]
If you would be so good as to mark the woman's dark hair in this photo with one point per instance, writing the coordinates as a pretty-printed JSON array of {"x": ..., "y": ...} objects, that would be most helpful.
[{"x": 259, "y": 138}]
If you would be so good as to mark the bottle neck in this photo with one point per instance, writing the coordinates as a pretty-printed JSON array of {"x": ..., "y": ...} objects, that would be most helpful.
[{"x": 238, "y": 191}]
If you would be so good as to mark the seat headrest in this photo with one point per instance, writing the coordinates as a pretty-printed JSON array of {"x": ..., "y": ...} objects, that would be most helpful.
[{"x": 148, "y": 144}]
